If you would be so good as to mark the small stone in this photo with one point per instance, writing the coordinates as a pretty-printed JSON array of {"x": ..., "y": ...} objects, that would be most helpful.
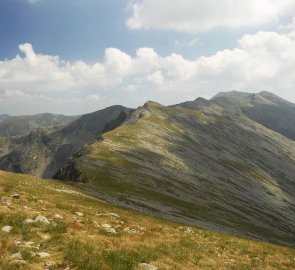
[
  {"x": 49, "y": 264},
  {"x": 114, "y": 215},
  {"x": 79, "y": 214},
  {"x": 17, "y": 243},
  {"x": 44, "y": 236},
  {"x": 189, "y": 231},
  {"x": 29, "y": 221},
  {"x": 44, "y": 209},
  {"x": 15, "y": 196},
  {"x": 57, "y": 216},
  {"x": 108, "y": 228},
  {"x": 6, "y": 229},
  {"x": 19, "y": 262},
  {"x": 31, "y": 244},
  {"x": 42, "y": 219},
  {"x": 43, "y": 254},
  {"x": 146, "y": 266},
  {"x": 131, "y": 231},
  {"x": 17, "y": 256}
]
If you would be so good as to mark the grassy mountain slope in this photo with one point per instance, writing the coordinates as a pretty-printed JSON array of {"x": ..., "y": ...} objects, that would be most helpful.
[
  {"x": 76, "y": 240},
  {"x": 43, "y": 151},
  {"x": 22, "y": 125},
  {"x": 206, "y": 167}
]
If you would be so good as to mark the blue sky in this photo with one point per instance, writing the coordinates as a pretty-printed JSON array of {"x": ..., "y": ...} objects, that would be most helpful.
[
  {"x": 77, "y": 56},
  {"x": 82, "y": 29}
]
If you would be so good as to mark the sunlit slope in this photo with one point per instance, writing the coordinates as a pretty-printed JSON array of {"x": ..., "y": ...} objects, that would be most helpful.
[
  {"x": 76, "y": 236},
  {"x": 205, "y": 167}
]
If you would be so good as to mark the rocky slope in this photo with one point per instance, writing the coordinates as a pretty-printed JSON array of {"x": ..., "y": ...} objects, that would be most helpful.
[
  {"x": 207, "y": 166},
  {"x": 43, "y": 151},
  {"x": 22, "y": 125},
  {"x": 225, "y": 164},
  {"x": 49, "y": 225},
  {"x": 265, "y": 108}
]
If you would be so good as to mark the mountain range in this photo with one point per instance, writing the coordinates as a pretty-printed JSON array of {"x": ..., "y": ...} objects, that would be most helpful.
[
  {"x": 11, "y": 126},
  {"x": 225, "y": 164}
]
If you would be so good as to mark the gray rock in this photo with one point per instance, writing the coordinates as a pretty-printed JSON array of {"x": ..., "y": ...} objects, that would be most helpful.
[
  {"x": 146, "y": 266},
  {"x": 42, "y": 219},
  {"x": 6, "y": 229},
  {"x": 19, "y": 262},
  {"x": 50, "y": 264},
  {"x": 57, "y": 216},
  {"x": 79, "y": 214},
  {"x": 189, "y": 231},
  {"x": 108, "y": 228},
  {"x": 17, "y": 256},
  {"x": 43, "y": 254}
]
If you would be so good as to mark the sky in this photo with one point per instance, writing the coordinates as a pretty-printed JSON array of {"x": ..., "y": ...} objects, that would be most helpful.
[{"x": 78, "y": 56}]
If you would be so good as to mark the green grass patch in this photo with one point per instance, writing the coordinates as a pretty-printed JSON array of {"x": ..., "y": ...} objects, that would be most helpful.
[
  {"x": 16, "y": 220},
  {"x": 84, "y": 256},
  {"x": 56, "y": 230}
]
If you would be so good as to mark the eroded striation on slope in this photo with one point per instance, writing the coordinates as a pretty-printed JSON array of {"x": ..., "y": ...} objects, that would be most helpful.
[{"x": 205, "y": 167}]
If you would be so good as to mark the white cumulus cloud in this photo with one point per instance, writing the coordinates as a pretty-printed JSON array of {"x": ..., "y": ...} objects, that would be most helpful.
[
  {"x": 39, "y": 82},
  {"x": 200, "y": 15}
]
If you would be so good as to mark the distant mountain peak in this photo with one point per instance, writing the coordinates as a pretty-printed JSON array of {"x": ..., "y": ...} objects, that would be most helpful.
[
  {"x": 151, "y": 103},
  {"x": 232, "y": 94},
  {"x": 261, "y": 97}
]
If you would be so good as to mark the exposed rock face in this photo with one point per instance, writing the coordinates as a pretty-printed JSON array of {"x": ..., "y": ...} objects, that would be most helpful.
[
  {"x": 201, "y": 163},
  {"x": 265, "y": 108},
  {"x": 43, "y": 152}
]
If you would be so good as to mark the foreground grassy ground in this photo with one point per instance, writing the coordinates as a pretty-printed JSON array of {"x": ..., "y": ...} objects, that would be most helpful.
[{"x": 81, "y": 232}]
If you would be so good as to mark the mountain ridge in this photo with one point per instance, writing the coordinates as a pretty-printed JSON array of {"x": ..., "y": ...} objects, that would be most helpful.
[
  {"x": 42, "y": 152},
  {"x": 174, "y": 159},
  {"x": 222, "y": 164},
  {"x": 11, "y": 126}
]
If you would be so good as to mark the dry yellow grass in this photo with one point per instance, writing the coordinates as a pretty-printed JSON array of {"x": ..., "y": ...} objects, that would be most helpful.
[{"x": 79, "y": 242}]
